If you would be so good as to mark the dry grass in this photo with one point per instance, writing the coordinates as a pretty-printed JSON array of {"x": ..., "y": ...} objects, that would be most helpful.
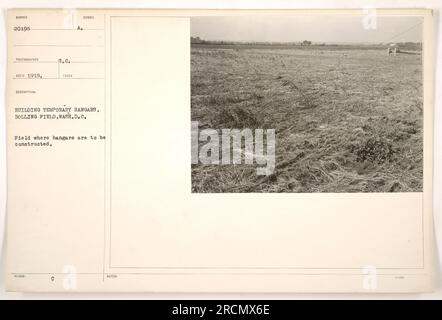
[{"x": 345, "y": 120}]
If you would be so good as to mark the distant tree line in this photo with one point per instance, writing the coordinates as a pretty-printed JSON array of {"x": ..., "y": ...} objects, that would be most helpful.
[
  {"x": 198, "y": 40},
  {"x": 404, "y": 45}
]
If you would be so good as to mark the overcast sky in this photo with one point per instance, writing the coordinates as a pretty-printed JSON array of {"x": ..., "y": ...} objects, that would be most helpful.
[{"x": 316, "y": 28}]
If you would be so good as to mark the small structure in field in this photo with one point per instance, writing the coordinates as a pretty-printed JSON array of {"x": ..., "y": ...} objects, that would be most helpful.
[{"x": 393, "y": 49}]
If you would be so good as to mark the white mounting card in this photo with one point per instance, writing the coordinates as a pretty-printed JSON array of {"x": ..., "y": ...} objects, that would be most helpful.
[{"x": 220, "y": 150}]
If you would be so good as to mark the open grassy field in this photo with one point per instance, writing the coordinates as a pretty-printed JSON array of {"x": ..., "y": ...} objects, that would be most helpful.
[{"x": 347, "y": 120}]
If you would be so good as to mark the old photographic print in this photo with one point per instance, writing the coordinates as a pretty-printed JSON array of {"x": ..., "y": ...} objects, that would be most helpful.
[{"x": 319, "y": 103}]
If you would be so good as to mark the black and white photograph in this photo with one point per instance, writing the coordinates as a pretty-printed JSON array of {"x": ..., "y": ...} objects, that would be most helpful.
[{"x": 319, "y": 103}]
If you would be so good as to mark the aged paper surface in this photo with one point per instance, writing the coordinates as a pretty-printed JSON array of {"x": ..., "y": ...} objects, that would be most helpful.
[{"x": 103, "y": 194}]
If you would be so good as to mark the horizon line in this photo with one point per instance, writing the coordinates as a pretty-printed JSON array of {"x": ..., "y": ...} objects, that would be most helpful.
[{"x": 300, "y": 41}]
